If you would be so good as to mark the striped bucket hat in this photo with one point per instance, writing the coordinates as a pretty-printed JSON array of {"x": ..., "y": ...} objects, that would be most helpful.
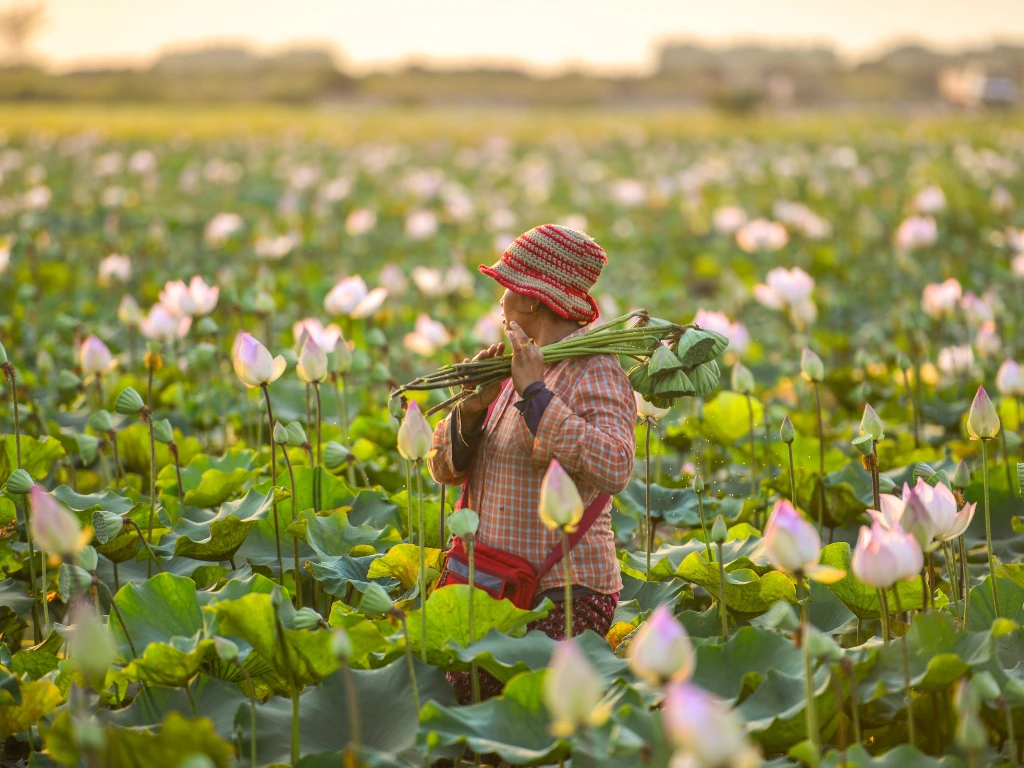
[{"x": 556, "y": 265}]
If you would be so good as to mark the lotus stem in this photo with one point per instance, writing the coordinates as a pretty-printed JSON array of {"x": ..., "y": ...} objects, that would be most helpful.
[
  {"x": 319, "y": 446},
  {"x": 1011, "y": 739},
  {"x": 45, "y": 596},
  {"x": 648, "y": 528},
  {"x": 951, "y": 571},
  {"x": 753, "y": 460},
  {"x": 343, "y": 412},
  {"x": 906, "y": 673},
  {"x": 273, "y": 482},
  {"x": 883, "y": 606},
  {"x": 811, "y": 712},
  {"x": 567, "y": 563},
  {"x": 292, "y": 683},
  {"x": 988, "y": 527},
  {"x": 100, "y": 586},
  {"x": 423, "y": 561},
  {"x": 295, "y": 539},
  {"x": 36, "y": 635},
  {"x": 149, "y": 550},
  {"x": 1006, "y": 462},
  {"x": 118, "y": 469},
  {"x": 355, "y": 732},
  {"x": 474, "y": 681},
  {"x": 252, "y": 712},
  {"x": 965, "y": 586},
  {"x": 703, "y": 526},
  {"x": 412, "y": 665},
  {"x": 821, "y": 461},
  {"x": 722, "y": 612},
  {"x": 792, "y": 476},
  {"x": 152, "y": 486},
  {"x": 12, "y": 376},
  {"x": 408, "y": 497},
  {"x": 876, "y": 488},
  {"x": 913, "y": 409}
]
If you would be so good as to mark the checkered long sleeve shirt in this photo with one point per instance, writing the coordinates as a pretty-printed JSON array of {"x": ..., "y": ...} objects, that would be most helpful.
[{"x": 589, "y": 426}]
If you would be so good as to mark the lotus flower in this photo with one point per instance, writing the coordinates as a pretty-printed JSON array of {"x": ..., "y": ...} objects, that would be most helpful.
[
  {"x": 312, "y": 364},
  {"x": 176, "y": 299},
  {"x": 277, "y": 247},
  {"x": 54, "y": 528},
  {"x": 648, "y": 410},
  {"x": 1010, "y": 379},
  {"x": 163, "y": 325},
  {"x": 982, "y": 421},
  {"x": 736, "y": 332},
  {"x": 204, "y": 297},
  {"x": 891, "y": 510},
  {"x": 956, "y": 361},
  {"x": 115, "y": 267},
  {"x": 345, "y": 296},
  {"x": 415, "y": 435},
  {"x": 661, "y": 649},
  {"x": 941, "y": 299},
  {"x": 976, "y": 309},
  {"x": 761, "y": 235},
  {"x": 728, "y": 219},
  {"x": 360, "y": 221},
  {"x": 930, "y": 200},
  {"x": 793, "y": 546},
  {"x": 703, "y": 726},
  {"x": 428, "y": 281},
  {"x": 560, "y": 504},
  {"x": 253, "y": 362},
  {"x": 420, "y": 225},
  {"x": 884, "y": 556},
  {"x": 128, "y": 312},
  {"x": 916, "y": 232},
  {"x": 94, "y": 357},
  {"x": 488, "y": 329},
  {"x": 987, "y": 341},
  {"x": 327, "y": 338},
  {"x": 393, "y": 279},
  {"x": 221, "y": 227},
  {"x": 789, "y": 289},
  {"x": 574, "y": 692},
  {"x": 428, "y": 337}
]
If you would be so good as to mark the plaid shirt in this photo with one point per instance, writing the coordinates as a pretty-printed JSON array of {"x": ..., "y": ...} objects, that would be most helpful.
[{"x": 589, "y": 426}]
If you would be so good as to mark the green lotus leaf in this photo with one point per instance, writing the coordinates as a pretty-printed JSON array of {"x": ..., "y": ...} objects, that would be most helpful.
[
  {"x": 387, "y": 715},
  {"x": 210, "y": 481},
  {"x": 640, "y": 380},
  {"x": 737, "y": 667},
  {"x": 334, "y": 492},
  {"x": 37, "y": 456},
  {"x": 745, "y": 591},
  {"x": 1011, "y": 603},
  {"x": 694, "y": 347},
  {"x": 863, "y": 600},
  {"x": 218, "y": 538},
  {"x": 133, "y": 449},
  {"x": 402, "y": 562},
  {"x": 35, "y": 699},
  {"x": 236, "y": 587},
  {"x": 706, "y": 378},
  {"x": 171, "y": 664},
  {"x": 727, "y": 417},
  {"x": 677, "y": 506},
  {"x": 775, "y": 712},
  {"x": 155, "y": 611},
  {"x": 371, "y": 640},
  {"x": 14, "y": 596},
  {"x": 38, "y": 660},
  {"x": 649, "y": 595},
  {"x": 431, "y": 516},
  {"x": 330, "y": 533},
  {"x": 901, "y": 756},
  {"x": 337, "y": 574}
]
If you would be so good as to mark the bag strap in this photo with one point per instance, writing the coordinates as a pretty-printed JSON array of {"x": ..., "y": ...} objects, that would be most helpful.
[
  {"x": 590, "y": 515},
  {"x": 463, "y": 501}
]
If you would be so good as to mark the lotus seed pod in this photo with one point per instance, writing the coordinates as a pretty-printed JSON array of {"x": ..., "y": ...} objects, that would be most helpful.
[
  {"x": 106, "y": 525},
  {"x": 962, "y": 476},
  {"x": 663, "y": 362},
  {"x": 886, "y": 484},
  {"x": 811, "y": 366},
  {"x": 306, "y": 618},
  {"x": 72, "y": 581},
  {"x": 101, "y": 421},
  {"x": 396, "y": 405},
  {"x": 865, "y": 445},
  {"x": 207, "y": 326},
  {"x": 787, "y": 432},
  {"x": 20, "y": 481},
  {"x": 940, "y": 478},
  {"x": 87, "y": 559},
  {"x": 280, "y": 433},
  {"x": 226, "y": 649},
  {"x": 162, "y": 431},
  {"x": 923, "y": 470},
  {"x": 68, "y": 381},
  {"x": 375, "y": 600},
  {"x": 871, "y": 424},
  {"x": 335, "y": 455},
  {"x": 296, "y": 434},
  {"x": 341, "y": 645},
  {"x": 129, "y": 402},
  {"x": 380, "y": 374},
  {"x": 375, "y": 338},
  {"x": 719, "y": 531},
  {"x": 88, "y": 448},
  {"x": 698, "y": 484},
  {"x": 742, "y": 379},
  {"x": 203, "y": 356},
  {"x": 464, "y": 523}
]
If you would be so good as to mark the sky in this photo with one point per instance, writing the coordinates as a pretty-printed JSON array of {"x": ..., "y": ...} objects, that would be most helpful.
[{"x": 609, "y": 35}]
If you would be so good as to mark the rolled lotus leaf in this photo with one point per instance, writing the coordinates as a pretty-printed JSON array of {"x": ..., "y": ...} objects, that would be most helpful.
[
  {"x": 676, "y": 384},
  {"x": 694, "y": 346},
  {"x": 641, "y": 380},
  {"x": 106, "y": 525},
  {"x": 706, "y": 378},
  {"x": 663, "y": 362}
]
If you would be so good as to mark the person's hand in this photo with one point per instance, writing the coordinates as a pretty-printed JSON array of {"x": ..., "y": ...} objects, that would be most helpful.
[
  {"x": 473, "y": 408},
  {"x": 527, "y": 359}
]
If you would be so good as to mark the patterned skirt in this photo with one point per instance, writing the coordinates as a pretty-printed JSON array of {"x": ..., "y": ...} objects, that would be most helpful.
[{"x": 593, "y": 612}]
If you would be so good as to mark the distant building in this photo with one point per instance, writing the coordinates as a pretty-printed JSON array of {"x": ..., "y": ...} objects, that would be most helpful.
[{"x": 972, "y": 86}]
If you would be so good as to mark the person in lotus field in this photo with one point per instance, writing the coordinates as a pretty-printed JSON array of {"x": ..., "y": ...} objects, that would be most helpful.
[{"x": 581, "y": 411}]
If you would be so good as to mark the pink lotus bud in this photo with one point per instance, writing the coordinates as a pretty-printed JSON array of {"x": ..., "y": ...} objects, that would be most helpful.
[
  {"x": 94, "y": 357},
  {"x": 573, "y": 691},
  {"x": 415, "y": 435},
  {"x": 312, "y": 364},
  {"x": 883, "y": 557},
  {"x": 560, "y": 502},
  {"x": 793, "y": 546},
  {"x": 704, "y": 726},
  {"x": 54, "y": 528},
  {"x": 254, "y": 364},
  {"x": 661, "y": 649},
  {"x": 1010, "y": 379},
  {"x": 960, "y": 522},
  {"x": 982, "y": 421}
]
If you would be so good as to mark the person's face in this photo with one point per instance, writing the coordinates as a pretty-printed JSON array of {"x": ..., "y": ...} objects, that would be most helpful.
[{"x": 520, "y": 309}]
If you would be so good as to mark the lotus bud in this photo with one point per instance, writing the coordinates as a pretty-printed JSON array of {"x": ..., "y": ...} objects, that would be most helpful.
[
  {"x": 254, "y": 364},
  {"x": 72, "y": 581},
  {"x": 787, "y": 433},
  {"x": 882, "y": 557},
  {"x": 647, "y": 410},
  {"x": 90, "y": 646},
  {"x": 68, "y": 381},
  {"x": 101, "y": 421},
  {"x": 106, "y": 525},
  {"x": 162, "y": 431},
  {"x": 560, "y": 504},
  {"x": 376, "y": 600},
  {"x": 790, "y": 542},
  {"x": 961, "y": 476},
  {"x": 661, "y": 649},
  {"x": 312, "y": 363},
  {"x": 870, "y": 424},
  {"x": 128, "y": 312},
  {"x": 335, "y": 455},
  {"x": 280, "y": 434},
  {"x": 414, "y": 435},
  {"x": 342, "y": 357},
  {"x": 19, "y": 482},
  {"x": 396, "y": 405},
  {"x": 296, "y": 434},
  {"x": 811, "y": 366},
  {"x": 129, "y": 402},
  {"x": 207, "y": 326},
  {"x": 573, "y": 691},
  {"x": 742, "y": 379},
  {"x": 341, "y": 645},
  {"x": 306, "y": 618},
  {"x": 719, "y": 531},
  {"x": 226, "y": 649},
  {"x": 54, "y": 528},
  {"x": 698, "y": 484},
  {"x": 983, "y": 421},
  {"x": 375, "y": 338},
  {"x": 705, "y": 727},
  {"x": 464, "y": 523},
  {"x": 276, "y": 598},
  {"x": 87, "y": 559}
]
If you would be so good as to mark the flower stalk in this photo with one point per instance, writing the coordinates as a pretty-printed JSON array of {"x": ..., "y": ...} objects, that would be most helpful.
[
  {"x": 273, "y": 479},
  {"x": 905, "y": 653}
]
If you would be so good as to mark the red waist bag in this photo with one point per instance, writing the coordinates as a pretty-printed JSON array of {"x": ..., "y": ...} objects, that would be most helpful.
[{"x": 502, "y": 574}]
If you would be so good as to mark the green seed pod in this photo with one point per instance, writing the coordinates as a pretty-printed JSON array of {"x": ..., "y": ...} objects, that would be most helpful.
[
  {"x": 72, "y": 580},
  {"x": 335, "y": 455},
  {"x": 886, "y": 484},
  {"x": 87, "y": 559},
  {"x": 68, "y": 381},
  {"x": 464, "y": 523},
  {"x": 663, "y": 362},
  {"x": 962, "y": 475},
  {"x": 20, "y": 481},
  {"x": 207, "y": 326},
  {"x": 341, "y": 645},
  {"x": 380, "y": 374},
  {"x": 375, "y": 600},
  {"x": 721, "y": 343},
  {"x": 375, "y": 338},
  {"x": 280, "y": 433},
  {"x": 106, "y": 525},
  {"x": 865, "y": 444},
  {"x": 787, "y": 432},
  {"x": 694, "y": 347},
  {"x": 162, "y": 431},
  {"x": 395, "y": 405},
  {"x": 719, "y": 531},
  {"x": 101, "y": 421},
  {"x": 129, "y": 402},
  {"x": 226, "y": 649},
  {"x": 922, "y": 470},
  {"x": 88, "y": 448},
  {"x": 306, "y": 618},
  {"x": 296, "y": 434},
  {"x": 202, "y": 356},
  {"x": 939, "y": 477}
]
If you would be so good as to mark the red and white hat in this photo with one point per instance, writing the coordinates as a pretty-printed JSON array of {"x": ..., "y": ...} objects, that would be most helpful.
[{"x": 556, "y": 265}]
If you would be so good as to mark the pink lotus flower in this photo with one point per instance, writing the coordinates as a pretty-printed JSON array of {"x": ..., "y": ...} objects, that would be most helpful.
[
  {"x": 272, "y": 248},
  {"x": 177, "y": 299},
  {"x": 393, "y": 279},
  {"x": 163, "y": 325},
  {"x": 789, "y": 289},
  {"x": 736, "y": 332},
  {"x": 916, "y": 232},
  {"x": 326, "y": 337},
  {"x": 204, "y": 297},
  {"x": 360, "y": 221},
  {"x": 254, "y": 364},
  {"x": 930, "y": 200},
  {"x": 1010, "y": 379},
  {"x": 221, "y": 228},
  {"x": 987, "y": 341},
  {"x": 883, "y": 556},
  {"x": 661, "y": 649},
  {"x": 728, "y": 219},
  {"x": 761, "y": 235},
  {"x": 793, "y": 546},
  {"x": 54, "y": 528},
  {"x": 94, "y": 357},
  {"x": 312, "y": 363},
  {"x": 420, "y": 225},
  {"x": 351, "y": 297},
  {"x": 941, "y": 299},
  {"x": 560, "y": 504},
  {"x": 976, "y": 309},
  {"x": 115, "y": 267},
  {"x": 428, "y": 337}
]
